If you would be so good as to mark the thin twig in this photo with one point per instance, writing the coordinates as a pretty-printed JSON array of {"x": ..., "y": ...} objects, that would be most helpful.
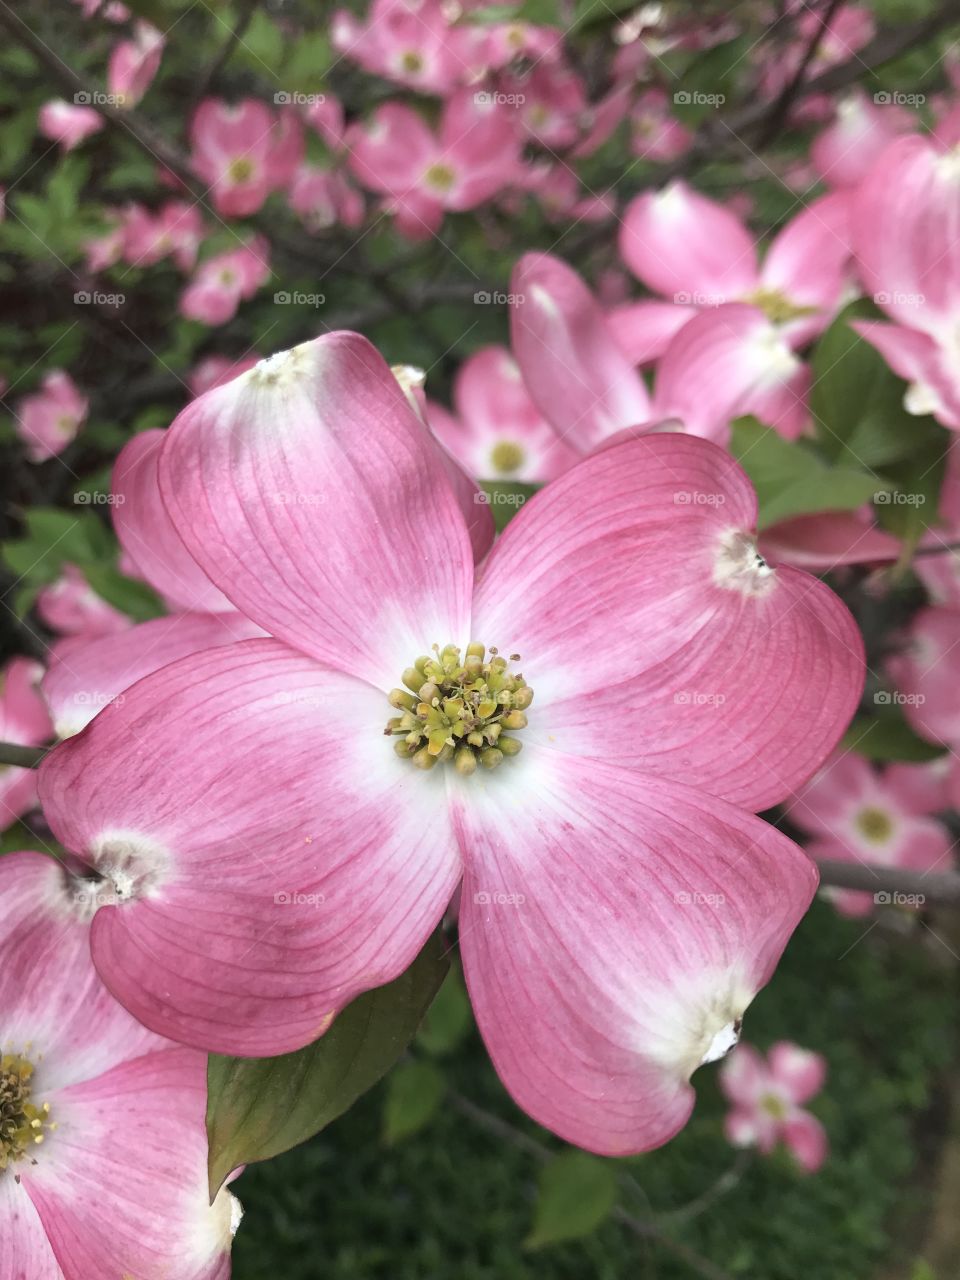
[
  {"x": 645, "y": 1230},
  {"x": 780, "y": 110},
  {"x": 942, "y": 887}
]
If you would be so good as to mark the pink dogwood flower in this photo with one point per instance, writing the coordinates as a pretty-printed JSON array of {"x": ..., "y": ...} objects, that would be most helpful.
[
  {"x": 474, "y": 154},
  {"x": 496, "y": 431},
  {"x": 71, "y": 607},
  {"x": 289, "y": 825},
  {"x": 68, "y": 123},
  {"x": 24, "y": 720},
  {"x": 223, "y": 282},
  {"x": 698, "y": 254},
  {"x": 50, "y": 418},
  {"x": 324, "y": 197},
  {"x": 176, "y": 231},
  {"x": 134, "y": 64},
  {"x": 103, "y": 1149},
  {"x": 768, "y": 1097},
  {"x": 580, "y": 371},
  {"x": 413, "y": 43},
  {"x": 857, "y": 814},
  {"x": 902, "y": 218},
  {"x": 244, "y": 152},
  {"x": 655, "y": 132}
]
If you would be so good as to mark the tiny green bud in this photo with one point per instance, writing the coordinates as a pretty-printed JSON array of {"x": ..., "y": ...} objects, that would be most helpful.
[
  {"x": 465, "y": 761},
  {"x": 428, "y": 692},
  {"x": 475, "y": 650},
  {"x": 509, "y": 746},
  {"x": 399, "y": 698},
  {"x": 523, "y": 697},
  {"x": 413, "y": 679}
]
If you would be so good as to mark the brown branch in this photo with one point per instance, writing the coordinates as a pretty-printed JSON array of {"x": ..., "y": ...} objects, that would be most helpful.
[
  {"x": 942, "y": 887},
  {"x": 780, "y": 110}
]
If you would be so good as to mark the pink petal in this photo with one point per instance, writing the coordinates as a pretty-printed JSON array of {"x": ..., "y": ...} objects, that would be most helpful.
[
  {"x": 800, "y": 1073},
  {"x": 573, "y": 367},
  {"x": 727, "y": 361},
  {"x": 314, "y": 497},
  {"x": 644, "y": 329},
  {"x": 809, "y": 259},
  {"x": 616, "y": 585},
  {"x": 121, "y": 1188},
  {"x": 270, "y": 847},
  {"x": 26, "y": 1251},
  {"x": 806, "y": 1138},
  {"x": 927, "y": 674},
  {"x": 614, "y": 929},
  {"x": 52, "y": 998},
  {"x": 148, "y": 535},
  {"x": 87, "y": 675},
  {"x": 823, "y": 541},
  {"x": 744, "y": 1077},
  {"x": 906, "y": 228},
  {"x": 687, "y": 247}
]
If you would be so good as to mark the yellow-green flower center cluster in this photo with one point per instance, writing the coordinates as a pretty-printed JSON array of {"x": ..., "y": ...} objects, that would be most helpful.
[
  {"x": 22, "y": 1122},
  {"x": 462, "y": 709}
]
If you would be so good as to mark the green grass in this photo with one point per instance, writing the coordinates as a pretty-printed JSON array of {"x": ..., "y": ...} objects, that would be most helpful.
[{"x": 453, "y": 1201}]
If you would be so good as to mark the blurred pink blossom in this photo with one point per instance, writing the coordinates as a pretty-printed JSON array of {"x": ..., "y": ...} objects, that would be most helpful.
[
  {"x": 49, "y": 419},
  {"x": 768, "y": 1096}
]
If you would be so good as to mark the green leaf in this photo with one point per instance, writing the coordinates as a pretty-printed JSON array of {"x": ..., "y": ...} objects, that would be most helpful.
[
  {"x": 857, "y": 402},
  {"x": 258, "y": 1107},
  {"x": 414, "y": 1092},
  {"x": 887, "y": 737},
  {"x": 910, "y": 507},
  {"x": 448, "y": 1019},
  {"x": 131, "y": 597},
  {"x": 506, "y": 497},
  {"x": 577, "y": 1193},
  {"x": 791, "y": 480}
]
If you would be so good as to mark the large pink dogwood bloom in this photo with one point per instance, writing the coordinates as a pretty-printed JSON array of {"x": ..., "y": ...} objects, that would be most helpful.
[
  {"x": 103, "y": 1150},
  {"x": 277, "y": 854}
]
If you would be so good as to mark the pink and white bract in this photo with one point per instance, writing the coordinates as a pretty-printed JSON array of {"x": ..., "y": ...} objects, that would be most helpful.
[
  {"x": 102, "y": 1143},
  {"x": 768, "y": 1096},
  {"x": 260, "y": 808}
]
